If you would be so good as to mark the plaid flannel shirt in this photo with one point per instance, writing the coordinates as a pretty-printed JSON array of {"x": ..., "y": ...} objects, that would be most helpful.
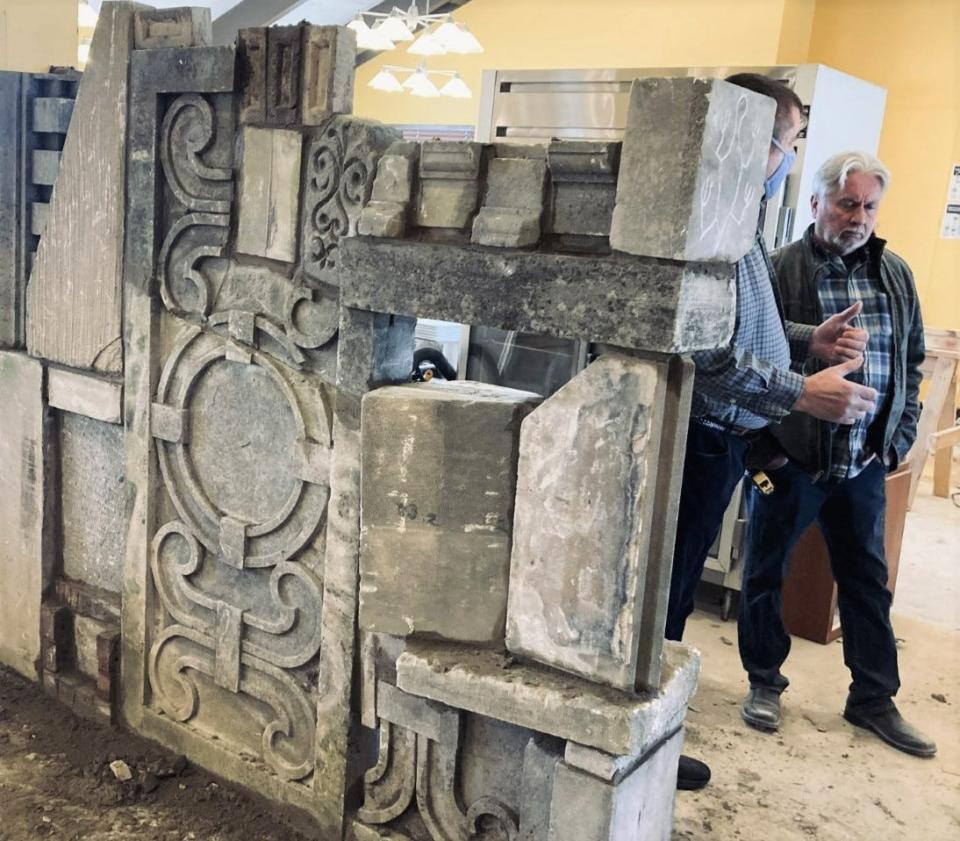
[
  {"x": 749, "y": 382},
  {"x": 839, "y": 284}
]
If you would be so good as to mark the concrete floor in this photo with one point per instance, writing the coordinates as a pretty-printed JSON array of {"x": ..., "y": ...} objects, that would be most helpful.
[{"x": 819, "y": 777}]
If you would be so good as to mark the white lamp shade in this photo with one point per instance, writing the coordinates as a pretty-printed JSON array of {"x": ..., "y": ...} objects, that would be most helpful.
[
  {"x": 385, "y": 81},
  {"x": 395, "y": 29},
  {"x": 456, "y": 88},
  {"x": 369, "y": 39},
  {"x": 358, "y": 25},
  {"x": 466, "y": 41},
  {"x": 447, "y": 36},
  {"x": 419, "y": 84},
  {"x": 426, "y": 44},
  {"x": 86, "y": 17}
]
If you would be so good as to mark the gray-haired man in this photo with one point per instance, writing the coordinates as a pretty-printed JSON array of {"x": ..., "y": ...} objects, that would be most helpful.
[{"x": 835, "y": 474}]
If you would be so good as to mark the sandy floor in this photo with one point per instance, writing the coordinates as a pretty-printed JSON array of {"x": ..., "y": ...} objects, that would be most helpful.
[{"x": 819, "y": 777}]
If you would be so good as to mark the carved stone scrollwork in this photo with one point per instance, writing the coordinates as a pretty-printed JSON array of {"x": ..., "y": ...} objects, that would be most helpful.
[
  {"x": 341, "y": 165},
  {"x": 178, "y": 658},
  {"x": 488, "y": 818},
  {"x": 419, "y": 753},
  {"x": 187, "y": 133},
  {"x": 246, "y": 466},
  {"x": 437, "y": 797},
  {"x": 390, "y": 784}
]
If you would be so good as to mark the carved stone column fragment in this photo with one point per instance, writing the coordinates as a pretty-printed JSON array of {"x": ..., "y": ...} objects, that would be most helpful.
[
  {"x": 449, "y": 188},
  {"x": 513, "y": 203},
  {"x": 583, "y": 175}
]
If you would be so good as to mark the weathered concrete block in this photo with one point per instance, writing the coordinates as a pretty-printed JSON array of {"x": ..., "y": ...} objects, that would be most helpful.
[
  {"x": 583, "y": 175},
  {"x": 505, "y": 228},
  {"x": 74, "y": 298},
  {"x": 38, "y": 217},
  {"x": 516, "y": 183},
  {"x": 329, "y": 55},
  {"x": 252, "y": 75},
  {"x": 186, "y": 26},
  {"x": 394, "y": 181},
  {"x": 11, "y": 222},
  {"x": 283, "y": 77},
  {"x": 83, "y": 394},
  {"x": 587, "y": 482},
  {"x": 449, "y": 186},
  {"x": 585, "y": 808},
  {"x": 691, "y": 169},
  {"x": 659, "y": 305},
  {"x": 383, "y": 219},
  {"x": 93, "y": 500},
  {"x": 435, "y": 532},
  {"x": 52, "y": 114},
  {"x": 542, "y": 699},
  {"x": 24, "y": 518},
  {"x": 45, "y": 167},
  {"x": 269, "y": 193},
  {"x": 541, "y": 758}
]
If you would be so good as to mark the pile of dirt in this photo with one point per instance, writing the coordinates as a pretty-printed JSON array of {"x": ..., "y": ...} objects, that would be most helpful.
[{"x": 56, "y": 781}]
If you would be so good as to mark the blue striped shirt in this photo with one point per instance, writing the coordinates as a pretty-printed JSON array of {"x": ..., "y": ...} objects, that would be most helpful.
[{"x": 748, "y": 382}]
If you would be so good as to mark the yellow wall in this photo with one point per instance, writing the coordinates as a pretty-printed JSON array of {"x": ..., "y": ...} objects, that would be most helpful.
[
  {"x": 913, "y": 50},
  {"x": 531, "y": 34},
  {"x": 35, "y": 34}
]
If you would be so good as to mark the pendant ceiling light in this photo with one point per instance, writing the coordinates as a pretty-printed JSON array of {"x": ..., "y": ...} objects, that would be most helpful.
[
  {"x": 419, "y": 83},
  {"x": 389, "y": 28}
]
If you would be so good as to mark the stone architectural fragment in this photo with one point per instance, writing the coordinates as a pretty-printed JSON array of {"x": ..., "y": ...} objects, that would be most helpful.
[
  {"x": 187, "y": 26},
  {"x": 691, "y": 169},
  {"x": 513, "y": 205},
  {"x": 25, "y": 525},
  {"x": 439, "y": 464},
  {"x": 252, "y": 75},
  {"x": 492, "y": 684},
  {"x": 283, "y": 77},
  {"x": 449, "y": 187},
  {"x": 36, "y": 109},
  {"x": 585, "y": 501},
  {"x": 74, "y": 300},
  {"x": 269, "y": 193},
  {"x": 85, "y": 395},
  {"x": 92, "y": 501},
  {"x": 329, "y": 54},
  {"x": 341, "y": 164},
  {"x": 51, "y": 115},
  {"x": 586, "y": 808},
  {"x": 583, "y": 175},
  {"x": 385, "y": 215},
  {"x": 541, "y": 757},
  {"x": 659, "y": 305}
]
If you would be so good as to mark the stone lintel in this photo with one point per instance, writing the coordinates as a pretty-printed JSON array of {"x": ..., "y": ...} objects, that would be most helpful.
[
  {"x": 659, "y": 305},
  {"x": 85, "y": 394},
  {"x": 492, "y": 684}
]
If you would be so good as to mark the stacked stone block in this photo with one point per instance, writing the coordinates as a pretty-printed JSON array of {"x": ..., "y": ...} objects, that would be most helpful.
[{"x": 225, "y": 378}]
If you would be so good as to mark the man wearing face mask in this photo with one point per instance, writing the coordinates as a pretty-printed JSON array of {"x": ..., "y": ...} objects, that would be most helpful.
[
  {"x": 744, "y": 386},
  {"x": 835, "y": 474}
]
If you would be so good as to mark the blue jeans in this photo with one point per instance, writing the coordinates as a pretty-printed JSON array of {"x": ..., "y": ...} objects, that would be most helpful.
[
  {"x": 712, "y": 468},
  {"x": 850, "y": 513}
]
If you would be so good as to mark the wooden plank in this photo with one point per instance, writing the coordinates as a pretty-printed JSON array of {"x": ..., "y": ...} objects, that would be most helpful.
[
  {"x": 943, "y": 457},
  {"x": 945, "y": 438},
  {"x": 943, "y": 375}
]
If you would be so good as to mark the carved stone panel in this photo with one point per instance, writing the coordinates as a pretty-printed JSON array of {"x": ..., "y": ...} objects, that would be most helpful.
[{"x": 341, "y": 164}]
